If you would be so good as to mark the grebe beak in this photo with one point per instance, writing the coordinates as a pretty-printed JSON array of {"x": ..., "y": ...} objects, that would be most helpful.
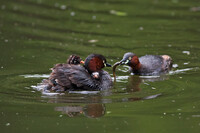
[
  {"x": 108, "y": 65},
  {"x": 95, "y": 75},
  {"x": 124, "y": 61}
]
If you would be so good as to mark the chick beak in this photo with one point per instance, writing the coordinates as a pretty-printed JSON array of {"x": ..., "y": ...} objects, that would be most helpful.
[
  {"x": 82, "y": 62},
  {"x": 95, "y": 75}
]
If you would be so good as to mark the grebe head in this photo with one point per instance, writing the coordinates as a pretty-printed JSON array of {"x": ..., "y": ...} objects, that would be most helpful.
[
  {"x": 129, "y": 59},
  {"x": 95, "y": 62},
  {"x": 75, "y": 60}
]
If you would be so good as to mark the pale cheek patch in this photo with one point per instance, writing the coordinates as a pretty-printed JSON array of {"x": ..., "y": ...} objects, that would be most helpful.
[{"x": 126, "y": 61}]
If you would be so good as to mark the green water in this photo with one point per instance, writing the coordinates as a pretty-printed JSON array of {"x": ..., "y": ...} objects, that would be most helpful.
[{"x": 36, "y": 34}]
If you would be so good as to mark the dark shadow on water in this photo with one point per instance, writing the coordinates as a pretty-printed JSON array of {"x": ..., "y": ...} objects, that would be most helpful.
[
  {"x": 90, "y": 21},
  {"x": 164, "y": 17},
  {"x": 57, "y": 18},
  {"x": 39, "y": 37},
  {"x": 32, "y": 15},
  {"x": 120, "y": 2},
  {"x": 42, "y": 5},
  {"x": 69, "y": 8}
]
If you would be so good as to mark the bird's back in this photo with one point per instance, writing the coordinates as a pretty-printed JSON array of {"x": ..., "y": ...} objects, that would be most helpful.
[{"x": 151, "y": 64}]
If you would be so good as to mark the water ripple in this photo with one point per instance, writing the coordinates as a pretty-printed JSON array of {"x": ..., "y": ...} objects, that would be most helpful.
[{"x": 182, "y": 70}]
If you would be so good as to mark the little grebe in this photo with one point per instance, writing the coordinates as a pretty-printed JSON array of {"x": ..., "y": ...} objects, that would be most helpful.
[
  {"x": 73, "y": 76},
  {"x": 146, "y": 65}
]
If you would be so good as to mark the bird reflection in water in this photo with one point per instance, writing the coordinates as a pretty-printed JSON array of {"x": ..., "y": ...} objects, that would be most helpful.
[
  {"x": 90, "y": 110},
  {"x": 134, "y": 81}
]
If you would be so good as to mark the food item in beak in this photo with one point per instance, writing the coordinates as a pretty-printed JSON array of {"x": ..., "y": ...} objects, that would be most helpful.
[{"x": 114, "y": 67}]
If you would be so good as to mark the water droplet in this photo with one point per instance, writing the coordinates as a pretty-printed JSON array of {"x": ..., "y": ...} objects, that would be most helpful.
[
  {"x": 186, "y": 52},
  {"x": 92, "y": 41},
  {"x": 72, "y": 13},
  {"x": 164, "y": 113},
  {"x": 7, "y": 124},
  {"x": 118, "y": 13},
  {"x": 186, "y": 63},
  {"x": 175, "y": 65},
  {"x": 126, "y": 122},
  {"x": 98, "y": 26},
  {"x": 6, "y": 40},
  {"x": 141, "y": 28},
  {"x": 15, "y": 8},
  {"x": 169, "y": 45},
  {"x": 195, "y": 9},
  {"x": 63, "y": 7},
  {"x": 195, "y": 115},
  {"x": 108, "y": 112},
  {"x": 175, "y": 1},
  {"x": 3, "y": 7},
  {"x": 123, "y": 89},
  {"x": 146, "y": 83},
  {"x": 56, "y": 4},
  {"x": 39, "y": 1},
  {"x": 94, "y": 17},
  {"x": 172, "y": 13}
]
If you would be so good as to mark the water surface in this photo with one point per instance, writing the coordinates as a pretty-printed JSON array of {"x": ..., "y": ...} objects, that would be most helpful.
[{"x": 36, "y": 34}]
